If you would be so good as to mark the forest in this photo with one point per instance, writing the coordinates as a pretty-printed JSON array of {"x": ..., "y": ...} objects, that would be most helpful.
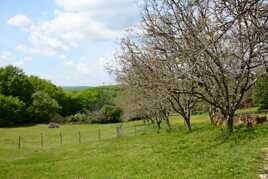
[{"x": 29, "y": 99}]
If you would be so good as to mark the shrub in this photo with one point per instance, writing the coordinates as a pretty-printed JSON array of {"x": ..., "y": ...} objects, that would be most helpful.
[
  {"x": 261, "y": 92},
  {"x": 78, "y": 118},
  {"x": 11, "y": 110},
  {"x": 57, "y": 118},
  {"x": 110, "y": 114},
  {"x": 43, "y": 107}
]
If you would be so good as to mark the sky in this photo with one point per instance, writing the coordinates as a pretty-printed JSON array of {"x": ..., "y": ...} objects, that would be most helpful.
[{"x": 68, "y": 42}]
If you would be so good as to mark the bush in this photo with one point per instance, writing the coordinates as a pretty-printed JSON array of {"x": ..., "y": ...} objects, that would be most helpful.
[
  {"x": 261, "y": 92},
  {"x": 78, "y": 118},
  {"x": 57, "y": 118},
  {"x": 43, "y": 107},
  {"x": 110, "y": 114},
  {"x": 11, "y": 110}
]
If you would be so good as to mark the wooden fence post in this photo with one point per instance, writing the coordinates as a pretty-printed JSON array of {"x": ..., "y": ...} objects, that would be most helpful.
[
  {"x": 42, "y": 140},
  {"x": 79, "y": 137},
  {"x": 119, "y": 131},
  {"x": 60, "y": 138},
  {"x": 19, "y": 142},
  {"x": 99, "y": 134}
]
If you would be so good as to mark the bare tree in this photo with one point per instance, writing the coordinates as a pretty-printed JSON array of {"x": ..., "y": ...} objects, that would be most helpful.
[
  {"x": 219, "y": 44},
  {"x": 151, "y": 73}
]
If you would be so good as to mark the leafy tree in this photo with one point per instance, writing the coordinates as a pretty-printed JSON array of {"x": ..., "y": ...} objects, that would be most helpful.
[
  {"x": 13, "y": 82},
  {"x": 11, "y": 110},
  {"x": 93, "y": 99},
  {"x": 68, "y": 102},
  {"x": 111, "y": 113},
  {"x": 261, "y": 92},
  {"x": 43, "y": 107}
]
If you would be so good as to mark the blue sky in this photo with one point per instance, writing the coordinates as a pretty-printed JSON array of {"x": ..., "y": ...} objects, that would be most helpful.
[{"x": 68, "y": 42}]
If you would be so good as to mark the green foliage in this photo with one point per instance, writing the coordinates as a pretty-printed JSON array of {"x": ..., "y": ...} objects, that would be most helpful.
[
  {"x": 11, "y": 110},
  {"x": 43, "y": 107},
  {"x": 93, "y": 99},
  {"x": 261, "y": 92},
  {"x": 43, "y": 99},
  {"x": 13, "y": 82},
  {"x": 75, "y": 88},
  {"x": 69, "y": 104},
  {"x": 110, "y": 114},
  {"x": 46, "y": 86},
  {"x": 78, "y": 118}
]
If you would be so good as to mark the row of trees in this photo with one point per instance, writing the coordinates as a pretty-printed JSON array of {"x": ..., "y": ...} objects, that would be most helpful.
[
  {"x": 185, "y": 52},
  {"x": 30, "y": 99}
]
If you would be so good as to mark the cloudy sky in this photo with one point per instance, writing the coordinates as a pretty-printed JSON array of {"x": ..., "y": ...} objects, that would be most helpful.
[{"x": 65, "y": 41}]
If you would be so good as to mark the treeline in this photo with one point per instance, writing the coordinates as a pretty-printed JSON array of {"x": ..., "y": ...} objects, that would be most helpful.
[
  {"x": 30, "y": 99},
  {"x": 185, "y": 53}
]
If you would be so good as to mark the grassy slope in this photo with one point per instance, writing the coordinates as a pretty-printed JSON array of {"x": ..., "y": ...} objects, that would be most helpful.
[
  {"x": 75, "y": 88},
  {"x": 176, "y": 154}
]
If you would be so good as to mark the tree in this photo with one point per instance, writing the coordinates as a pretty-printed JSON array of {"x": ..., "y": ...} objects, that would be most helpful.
[
  {"x": 67, "y": 101},
  {"x": 111, "y": 113},
  {"x": 13, "y": 82},
  {"x": 218, "y": 44},
  {"x": 43, "y": 107},
  {"x": 11, "y": 110},
  {"x": 152, "y": 74}
]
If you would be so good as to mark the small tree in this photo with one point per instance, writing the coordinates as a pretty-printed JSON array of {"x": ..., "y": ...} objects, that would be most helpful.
[
  {"x": 111, "y": 113},
  {"x": 43, "y": 107},
  {"x": 11, "y": 110},
  {"x": 153, "y": 76}
]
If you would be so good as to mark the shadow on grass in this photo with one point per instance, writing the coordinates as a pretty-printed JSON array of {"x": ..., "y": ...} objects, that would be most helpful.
[{"x": 20, "y": 125}]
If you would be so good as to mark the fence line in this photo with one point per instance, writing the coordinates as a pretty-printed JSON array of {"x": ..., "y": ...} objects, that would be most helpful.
[
  {"x": 120, "y": 131},
  {"x": 42, "y": 140}
]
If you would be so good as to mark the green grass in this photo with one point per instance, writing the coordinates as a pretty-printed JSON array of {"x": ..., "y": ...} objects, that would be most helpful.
[{"x": 204, "y": 153}]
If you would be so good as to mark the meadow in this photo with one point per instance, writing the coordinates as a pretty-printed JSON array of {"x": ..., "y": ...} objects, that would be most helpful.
[{"x": 206, "y": 152}]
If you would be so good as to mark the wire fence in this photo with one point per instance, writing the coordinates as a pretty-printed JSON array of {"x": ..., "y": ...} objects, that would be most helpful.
[{"x": 60, "y": 137}]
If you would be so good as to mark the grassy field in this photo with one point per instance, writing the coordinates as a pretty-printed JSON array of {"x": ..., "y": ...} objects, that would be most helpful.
[{"x": 204, "y": 153}]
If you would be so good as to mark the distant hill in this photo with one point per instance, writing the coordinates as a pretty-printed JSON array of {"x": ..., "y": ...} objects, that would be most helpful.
[
  {"x": 75, "y": 88},
  {"x": 83, "y": 88}
]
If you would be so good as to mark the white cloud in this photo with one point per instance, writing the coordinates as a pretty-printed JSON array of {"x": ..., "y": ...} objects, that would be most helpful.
[
  {"x": 65, "y": 30},
  {"x": 40, "y": 39},
  {"x": 20, "y": 21},
  {"x": 78, "y": 5},
  {"x": 83, "y": 66},
  {"x": 9, "y": 58},
  {"x": 6, "y": 56},
  {"x": 93, "y": 5},
  {"x": 35, "y": 50},
  {"x": 22, "y": 61},
  {"x": 73, "y": 25}
]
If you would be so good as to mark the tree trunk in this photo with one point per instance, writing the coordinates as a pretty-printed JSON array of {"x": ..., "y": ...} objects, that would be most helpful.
[
  {"x": 230, "y": 123},
  {"x": 158, "y": 126},
  {"x": 211, "y": 113},
  {"x": 188, "y": 123},
  {"x": 168, "y": 123}
]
